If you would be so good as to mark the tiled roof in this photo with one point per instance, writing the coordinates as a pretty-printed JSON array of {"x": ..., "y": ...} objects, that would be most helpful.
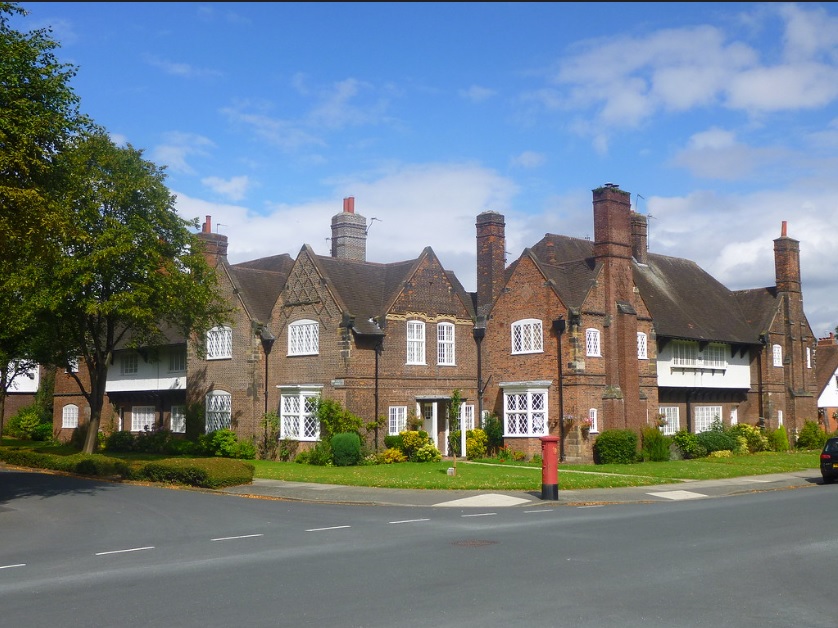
[
  {"x": 367, "y": 290},
  {"x": 826, "y": 364},
  {"x": 259, "y": 283},
  {"x": 684, "y": 300},
  {"x": 364, "y": 290}
]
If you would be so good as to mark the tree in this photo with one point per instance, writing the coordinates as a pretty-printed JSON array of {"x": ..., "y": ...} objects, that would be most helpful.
[
  {"x": 454, "y": 424},
  {"x": 127, "y": 268},
  {"x": 39, "y": 116}
]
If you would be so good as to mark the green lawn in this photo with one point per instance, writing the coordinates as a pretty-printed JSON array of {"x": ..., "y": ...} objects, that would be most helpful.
[{"x": 493, "y": 475}]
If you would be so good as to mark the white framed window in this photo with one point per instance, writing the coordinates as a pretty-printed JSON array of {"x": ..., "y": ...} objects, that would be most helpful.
[
  {"x": 445, "y": 344},
  {"x": 177, "y": 419},
  {"x": 593, "y": 419},
  {"x": 128, "y": 363},
  {"x": 593, "y": 348},
  {"x": 219, "y": 343},
  {"x": 684, "y": 353},
  {"x": 525, "y": 412},
  {"x": 142, "y": 418},
  {"x": 672, "y": 415},
  {"x": 70, "y": 416},
  {"x": 219, "y": 411},
  {"x": 467, "y": 416},
  {"x": 734, "y": 416},
  {"x": 642, "y": 346},
  {"x": 177, "y": 360},
  {"x": 415, "y": 342},
  {"x": 704, "y": 417},
  {"x": 777, "y": 353},
  {"x": 304, "y": 338},
  {"x": 779, "y": 418},
  {"x": 73, "y": 366},
  {"x": 714, "y": 355},
  {"x": 808, "y": 357},
  {"x": 527, "y": 336},
  {"x": 298, "y": 413},
  {"x": 398, "y": 420}
]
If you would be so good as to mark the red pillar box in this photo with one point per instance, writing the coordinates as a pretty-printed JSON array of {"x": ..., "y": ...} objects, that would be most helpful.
[{"x": 549, "y": 467}]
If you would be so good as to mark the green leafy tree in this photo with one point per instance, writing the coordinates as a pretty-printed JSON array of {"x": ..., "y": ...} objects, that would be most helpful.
[
  {"x": 38, "y": 116},
  {"x": 128, "y": 268}
]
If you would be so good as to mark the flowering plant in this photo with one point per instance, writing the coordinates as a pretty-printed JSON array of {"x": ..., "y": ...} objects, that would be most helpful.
[
  {"x": 568, "y": 418},
  {"x": 587, "y": 423},
  {"x": 661, "y": 421}
]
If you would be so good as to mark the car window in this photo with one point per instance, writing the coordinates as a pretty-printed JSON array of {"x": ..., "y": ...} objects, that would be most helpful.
[{"x": 831, "y": 447}]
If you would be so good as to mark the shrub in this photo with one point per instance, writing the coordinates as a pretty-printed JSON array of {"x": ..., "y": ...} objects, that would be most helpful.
[
  {"x": 268, "y": 444},
  {"x": 688, "y": 445},
  {"x": 655, "y": 447},
  {"x": 320, "y": 455},
  {"x": 42, "y": 432},
  {"x": 428, "y": 453},
  {"x": 756, "y": 440},
  {"x": 716, "y": 440},
  {"x": 476, "y": 440},
  {"x": 152, "y": 441},
  {"x": 412, "y": 441},
  {"x": 494, "y": 434},
  {"x": 23, "y": 423},
  {"x": 391, "y": 455},
  {"x": 616, "y": 447},
  {"x": 203, "y": 473},
  {"x": 346, "y": 449},
  {"x": 119, "y": 442},
  {"x": 288, "y": 449},
  {"x": 335, "y": 419},
  {"x": 721, "y": 453},
  {"x": 224, "y": 443},
  {"x": 811, "y": 436},
  {"x": 779, "y": 439},
  {"x": 394, "y": 441}
]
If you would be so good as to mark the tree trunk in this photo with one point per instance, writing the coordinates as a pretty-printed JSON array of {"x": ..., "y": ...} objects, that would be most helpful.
[{"x": 98, "y": 379}]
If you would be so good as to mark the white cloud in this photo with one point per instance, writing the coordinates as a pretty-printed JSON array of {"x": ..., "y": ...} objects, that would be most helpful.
[
  {"x": 234, "y": 188},
  {"x": 416, "y": 206},
  {"x": 528, "y": 159},
  {"x": 476, "y": 93},
  {"x": 179, "y": 68},
  {"x": 178, "y": 146}
]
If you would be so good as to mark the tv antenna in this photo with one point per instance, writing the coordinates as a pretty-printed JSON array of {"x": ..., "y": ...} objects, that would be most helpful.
[{"x": 367, "y": 230}]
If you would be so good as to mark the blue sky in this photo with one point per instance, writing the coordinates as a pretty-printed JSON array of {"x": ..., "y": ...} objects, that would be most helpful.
[{"x": 720, "y": 119}]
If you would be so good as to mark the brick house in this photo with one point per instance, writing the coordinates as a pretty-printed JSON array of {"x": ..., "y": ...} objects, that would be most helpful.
[
  {"x": 826, "y": 369},
  {"x": 388, "y": 341},
  {"x": 603, "y": 334},
  {"x": 631, "y": 336}
]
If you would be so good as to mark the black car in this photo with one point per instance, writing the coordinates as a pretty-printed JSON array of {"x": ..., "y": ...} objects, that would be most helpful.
[{"x": 829, "y": 461}]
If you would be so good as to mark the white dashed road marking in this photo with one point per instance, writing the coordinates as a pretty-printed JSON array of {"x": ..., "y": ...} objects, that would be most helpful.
[{"x": 122, "y": 551}]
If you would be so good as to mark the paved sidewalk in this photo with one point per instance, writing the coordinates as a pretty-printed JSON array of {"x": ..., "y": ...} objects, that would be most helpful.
[{"x": 337, "y": 494}]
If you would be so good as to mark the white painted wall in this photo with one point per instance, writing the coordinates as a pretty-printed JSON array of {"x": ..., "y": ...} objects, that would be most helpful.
[
  {"x": 829, "y": 396},
  {"x": 149, "y": 376},
  {"x": 736, "y": 373}
]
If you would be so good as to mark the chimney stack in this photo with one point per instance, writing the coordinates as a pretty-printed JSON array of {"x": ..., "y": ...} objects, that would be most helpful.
[
  {"x": 491, "y": 259},
  {"x": 215, "y": 244},
  {"x": 787, "y": 262},
  {"x": 349, "y": 233},
  {"x": 639, "y": 237}
]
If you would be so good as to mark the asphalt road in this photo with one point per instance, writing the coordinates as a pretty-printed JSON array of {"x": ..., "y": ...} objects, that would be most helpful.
[{"x": 77, "y": 552}]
